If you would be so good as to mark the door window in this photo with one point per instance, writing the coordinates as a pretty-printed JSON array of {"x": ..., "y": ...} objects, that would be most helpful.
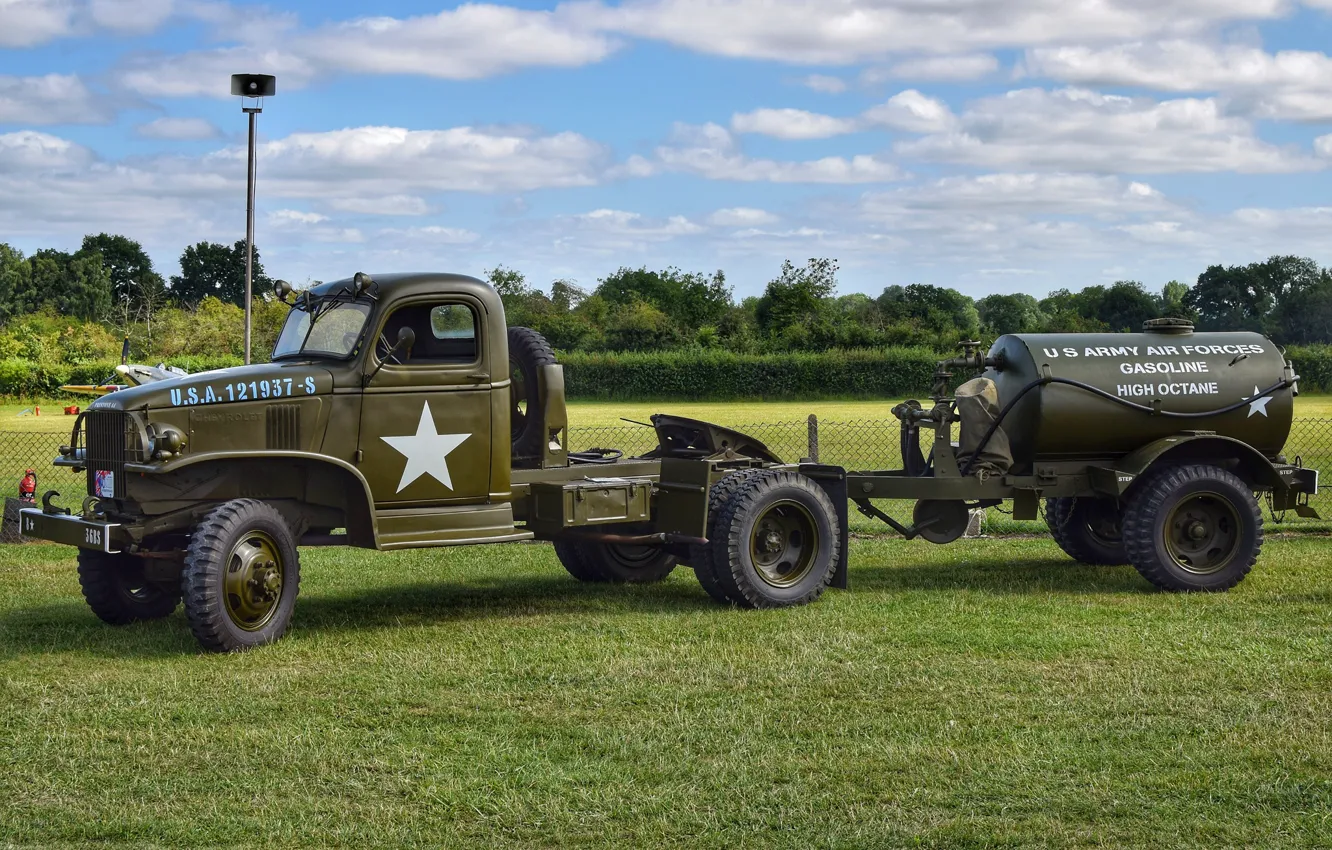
[{"x": 445, "y": 333}]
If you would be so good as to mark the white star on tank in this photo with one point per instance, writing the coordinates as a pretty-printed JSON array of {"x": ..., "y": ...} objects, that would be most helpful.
[
  {"x": 426, "y": 451},
  {"x": 1258, "y": 405}
]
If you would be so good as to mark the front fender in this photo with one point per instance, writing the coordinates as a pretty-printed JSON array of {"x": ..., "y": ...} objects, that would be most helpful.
[{"x": 358, "y": 498}]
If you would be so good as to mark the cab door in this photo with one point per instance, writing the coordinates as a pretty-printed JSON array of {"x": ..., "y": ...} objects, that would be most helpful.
[{"x": 425, "y": 417}]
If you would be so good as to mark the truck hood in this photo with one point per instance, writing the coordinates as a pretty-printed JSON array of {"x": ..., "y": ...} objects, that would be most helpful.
[{"x": 256, "y": 382}]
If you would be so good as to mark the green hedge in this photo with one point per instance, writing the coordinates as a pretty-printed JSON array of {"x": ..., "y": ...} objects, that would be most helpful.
[
  {"x": 21, "y": 378},
  {"x": 1313, "y": 363},
  {"x": 709, "y": 374}
]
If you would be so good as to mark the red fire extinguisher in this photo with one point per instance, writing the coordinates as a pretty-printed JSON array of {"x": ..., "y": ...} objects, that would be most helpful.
[{"x": 28, "y": 487}]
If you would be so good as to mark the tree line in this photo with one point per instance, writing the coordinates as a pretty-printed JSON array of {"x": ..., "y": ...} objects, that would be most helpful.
[{"x": 75, "y": 307}]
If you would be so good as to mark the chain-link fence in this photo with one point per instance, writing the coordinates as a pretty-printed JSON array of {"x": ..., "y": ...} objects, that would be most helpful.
[
  {"x": 875, "y": 444},
  {"x": 857, "y": 444}
]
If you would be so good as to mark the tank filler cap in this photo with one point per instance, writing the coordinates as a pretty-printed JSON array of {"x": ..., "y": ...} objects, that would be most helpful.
[{"x": 1167, "y": 326}]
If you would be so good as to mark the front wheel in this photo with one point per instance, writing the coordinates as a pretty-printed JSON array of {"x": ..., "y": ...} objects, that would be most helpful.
[
  {"x": 241, "y": 576},
  {"x": 117, "y": 592},
  {"x": 1193, "y": 528}
]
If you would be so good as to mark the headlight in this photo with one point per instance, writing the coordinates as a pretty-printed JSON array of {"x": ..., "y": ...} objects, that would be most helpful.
[{"x": 165, "y": 442}]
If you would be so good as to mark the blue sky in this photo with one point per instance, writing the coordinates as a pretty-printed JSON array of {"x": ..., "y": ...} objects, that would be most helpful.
[{"x": 1011, "y": 145}]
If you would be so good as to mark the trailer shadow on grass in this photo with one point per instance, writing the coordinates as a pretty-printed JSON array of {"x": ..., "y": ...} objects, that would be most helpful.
[{"x": 1000, "y": 578}]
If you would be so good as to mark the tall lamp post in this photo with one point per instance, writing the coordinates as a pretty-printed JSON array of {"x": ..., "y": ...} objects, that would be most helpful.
[{"x": 252, "y": 89}]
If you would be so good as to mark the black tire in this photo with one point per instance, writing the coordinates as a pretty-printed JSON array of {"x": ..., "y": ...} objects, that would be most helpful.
[
  {"x": 700, "y": 556},
  {"x": 571, "y": 555},
  {"x": 118, "y": 593},
  {"x": 618, "y": 563},
  {"x": 1193, "y": 528},
  {"x": 528, "y": 352},
  {"x": 1089, "y": 530},
  {"x": 775, "y": 541},
  {"x": 231, "y": 601}
]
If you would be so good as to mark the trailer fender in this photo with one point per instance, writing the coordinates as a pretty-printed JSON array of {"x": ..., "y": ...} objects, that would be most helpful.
[{"x": 1226, "y": 452}]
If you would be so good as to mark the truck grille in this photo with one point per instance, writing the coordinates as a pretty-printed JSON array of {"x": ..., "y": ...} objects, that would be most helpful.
[{"x": 111, "y": 439}]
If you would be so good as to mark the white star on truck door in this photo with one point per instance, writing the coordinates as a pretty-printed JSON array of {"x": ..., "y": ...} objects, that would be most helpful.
[{"x": 426, "y": 451}]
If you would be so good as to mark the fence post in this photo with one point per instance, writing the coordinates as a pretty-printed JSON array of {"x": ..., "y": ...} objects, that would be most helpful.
[{"x": 812, "y": 425}]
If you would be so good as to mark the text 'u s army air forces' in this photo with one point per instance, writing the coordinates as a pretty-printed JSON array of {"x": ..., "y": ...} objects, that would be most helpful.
[
  {"x": 426, "y": 451},
  {"x": 1172, "y": 368}
]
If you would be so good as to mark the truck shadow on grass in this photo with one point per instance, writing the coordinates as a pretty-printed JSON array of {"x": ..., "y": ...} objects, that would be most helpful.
[{"x": 69, "y": 626}]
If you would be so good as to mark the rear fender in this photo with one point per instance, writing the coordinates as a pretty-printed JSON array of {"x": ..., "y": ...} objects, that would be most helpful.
[{"x": 1226, "y": 452}]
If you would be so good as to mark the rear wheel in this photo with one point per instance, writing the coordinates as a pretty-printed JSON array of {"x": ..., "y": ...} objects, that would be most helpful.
[
  {"x": 620, "y": 563},
  {"x": 1193, "y": 528},
  {"x": 528, "y": 352},
  {"x": 117, "y": 592},
  {"x": 1087, "y": 529},
  {"x": 242, "y": 573},
  {"x": 700, "y": 555},
  {"x": 775, "y": 541}
]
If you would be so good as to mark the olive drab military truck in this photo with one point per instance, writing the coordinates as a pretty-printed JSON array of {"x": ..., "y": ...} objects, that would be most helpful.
[{"x": 402, "y": 412}]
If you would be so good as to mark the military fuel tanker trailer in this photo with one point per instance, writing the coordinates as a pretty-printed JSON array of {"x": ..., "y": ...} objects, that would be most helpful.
[
  {"x": 1146, "y": 448},
  {"x": 403, "y": 413}
]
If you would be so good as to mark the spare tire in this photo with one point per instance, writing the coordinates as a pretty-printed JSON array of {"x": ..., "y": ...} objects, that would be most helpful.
[{"x": 528, "y": 352}]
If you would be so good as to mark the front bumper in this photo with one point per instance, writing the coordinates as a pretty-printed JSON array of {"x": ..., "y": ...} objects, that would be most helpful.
[{"x": 71, "y": 530}]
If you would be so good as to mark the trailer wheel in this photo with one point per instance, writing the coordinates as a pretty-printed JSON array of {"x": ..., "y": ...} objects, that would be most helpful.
[
  {"x": 775, "y": 541},
  {"x": 619, "y": 563},
  {"x": 700, "y": 556},
  {"x": 1088, "y": 530},
  {"x": 1194, "y": 527},
  {"x": 242, "y": 573},
  {"x": 528, "y": 352},
  {"x": 116, "y": 591}
]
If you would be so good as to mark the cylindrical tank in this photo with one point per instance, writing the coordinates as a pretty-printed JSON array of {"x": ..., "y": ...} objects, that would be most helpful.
[{"x": 1188, "y": 372}]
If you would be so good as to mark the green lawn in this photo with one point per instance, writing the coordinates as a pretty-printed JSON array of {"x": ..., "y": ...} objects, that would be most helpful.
[{"x": 984, "y": 694}]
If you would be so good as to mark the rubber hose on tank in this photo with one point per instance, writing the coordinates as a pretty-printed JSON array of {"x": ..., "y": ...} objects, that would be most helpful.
[{"x": 1170, "y": 414}]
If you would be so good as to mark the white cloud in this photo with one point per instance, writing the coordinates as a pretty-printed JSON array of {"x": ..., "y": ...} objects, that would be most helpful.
[
  {"x": 28, "y": 150},
  {"x": 1323, "y": 146},
  {"x": 31, "y": 22},
  {"x": 473, "y": 41},
  {"x": 913, "y": 112},
  {"x": 824, "y": 83},
  {"x": 385, "y": 205},
  {"x": 130, "y": 15},
  {"x": 369, "y": 162},
  {"x": 179, "y": 129},
  {"x": 969, "y": 66},
  {"x": 634, "y": 224},
  {"x": 51, "y": 99},
  {"x": 1079, "y": 130},
  {"x": 839, "y": 32},
  {"x": 711, "y": 151},
  {"x": 1019, "y": 194},
  {"x": 742, "y": 217},
  {"x": 1290, "y": 84},
  {"x": 290, "y": 217},
  {"x": 908, "y": 111},
  {"x": 791, "y": 124}
]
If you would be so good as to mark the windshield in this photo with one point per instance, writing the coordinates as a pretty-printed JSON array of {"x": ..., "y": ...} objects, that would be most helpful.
[{"x": 326, "y": 329}]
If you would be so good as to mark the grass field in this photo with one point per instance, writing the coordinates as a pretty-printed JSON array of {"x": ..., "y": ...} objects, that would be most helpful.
[{"x": 985, "y": 694}]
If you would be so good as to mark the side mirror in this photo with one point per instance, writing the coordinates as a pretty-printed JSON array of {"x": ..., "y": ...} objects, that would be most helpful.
[
  {"x": 406, "y": 339},
  {"x": 282, "y": 290}
]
